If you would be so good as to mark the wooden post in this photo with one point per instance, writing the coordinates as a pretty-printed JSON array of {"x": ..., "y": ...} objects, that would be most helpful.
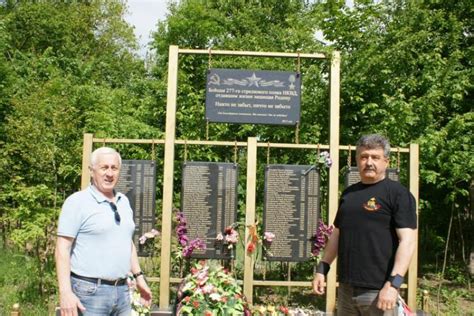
[
  {"x": 426, "y": 302},
  {"x": 414, "y": 189},
  {"x": 86, "y": 160},
  {"x": 333, "y": 171},
  {"x": 165, "y": 267},
  {"x": 250, "y": 215},
  {"x": 15, "y": 310}
]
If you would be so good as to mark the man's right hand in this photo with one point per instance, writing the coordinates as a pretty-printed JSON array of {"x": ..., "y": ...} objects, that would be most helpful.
[
  {"x": 319, "y": 284},
  {"x": 69, "y": 304}
]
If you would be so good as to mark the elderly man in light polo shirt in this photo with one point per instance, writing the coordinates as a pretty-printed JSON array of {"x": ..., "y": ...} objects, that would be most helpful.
[{"x": 94, "y": 249}]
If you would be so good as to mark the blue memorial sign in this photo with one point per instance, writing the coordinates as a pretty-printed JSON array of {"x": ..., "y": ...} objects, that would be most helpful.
[{"x": 251, "y": 96}]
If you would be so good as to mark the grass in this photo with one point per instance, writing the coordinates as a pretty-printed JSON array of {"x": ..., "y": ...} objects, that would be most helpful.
[{"x": 19, "y": 284}]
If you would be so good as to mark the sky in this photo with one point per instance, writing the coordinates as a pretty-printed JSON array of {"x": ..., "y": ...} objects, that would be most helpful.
[{"x": 143, "y": 15}]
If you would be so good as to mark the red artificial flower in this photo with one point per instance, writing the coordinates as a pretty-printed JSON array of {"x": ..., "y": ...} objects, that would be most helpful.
[
  {"x": 228, "y": 230},
  {"x": 196, "y": 304},
  {"x": 207, "y": 313},
  {"x": 251, "y": 247},
  {"x": 284, "y": 310},
  {"x": 187, "y": 299}
]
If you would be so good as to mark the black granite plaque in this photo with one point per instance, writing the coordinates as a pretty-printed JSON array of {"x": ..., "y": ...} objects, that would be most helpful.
[
  {"x": 252, "y": 96},
  {"x": 137, "y": 180},
  {"x": 209, "y": 203},
  {"x": 353, "y": 176},
  {"x": 292, "y": 203}
]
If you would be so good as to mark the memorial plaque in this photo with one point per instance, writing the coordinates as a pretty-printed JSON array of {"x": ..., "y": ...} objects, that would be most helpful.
[
  {"x": 252, "y": 96},
  {"x": 137, "y": 180},
  {"x": 292, "y": 202},
  {"x": 353, "y": 176},
  {"x": 209, "y": 203}
]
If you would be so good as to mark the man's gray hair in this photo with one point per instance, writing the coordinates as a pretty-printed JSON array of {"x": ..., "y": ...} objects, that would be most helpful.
[
  {"x": 103, "y": 151},
  {"x": 374, "y": 141}
]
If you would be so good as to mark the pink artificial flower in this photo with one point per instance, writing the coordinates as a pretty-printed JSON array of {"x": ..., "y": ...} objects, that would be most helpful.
[
  {"x": 233, "y": 237},
  {"x": 142, "y": 239},
  {"x": 149, "y": 235},
  {"x": 269, "y": 236}
]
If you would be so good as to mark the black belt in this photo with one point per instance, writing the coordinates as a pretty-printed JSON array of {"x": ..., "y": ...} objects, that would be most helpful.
[{"x": 100, "y": 281}]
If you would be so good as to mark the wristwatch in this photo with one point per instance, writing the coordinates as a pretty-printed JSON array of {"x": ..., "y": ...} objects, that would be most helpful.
[
  {"x": 136, "y": 275},
  {"x": 396, "y": 281}
]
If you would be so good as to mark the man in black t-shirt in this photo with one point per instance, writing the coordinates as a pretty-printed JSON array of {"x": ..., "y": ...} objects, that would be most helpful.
[{"x": 374, "y": 236}]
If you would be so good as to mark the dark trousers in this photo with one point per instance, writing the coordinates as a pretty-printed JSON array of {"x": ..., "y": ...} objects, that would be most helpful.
[{"x": 357, "y": 301}]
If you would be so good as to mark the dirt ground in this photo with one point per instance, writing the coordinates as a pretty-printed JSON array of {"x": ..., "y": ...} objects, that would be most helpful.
[{"x": 454, "y": 298}]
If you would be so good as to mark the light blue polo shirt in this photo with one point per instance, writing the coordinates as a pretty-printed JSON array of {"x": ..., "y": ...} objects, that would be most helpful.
[{"x": 102, "y": 248}]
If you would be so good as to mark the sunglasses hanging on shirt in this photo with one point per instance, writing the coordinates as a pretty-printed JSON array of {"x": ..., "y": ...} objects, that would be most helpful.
[{"x": 116, "y": 213}]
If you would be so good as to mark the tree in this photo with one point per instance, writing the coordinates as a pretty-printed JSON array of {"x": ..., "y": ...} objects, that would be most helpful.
[
  {"x": 69, "y": 69},
  {"x": 407, "y": 73}
]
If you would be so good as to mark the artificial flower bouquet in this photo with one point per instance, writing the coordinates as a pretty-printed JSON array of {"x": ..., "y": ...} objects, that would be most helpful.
[
  {"x": 210, "y": 290},
  {"x": 138, "y": 309}
]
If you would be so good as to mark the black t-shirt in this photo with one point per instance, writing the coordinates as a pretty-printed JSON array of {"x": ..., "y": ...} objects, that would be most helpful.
[{"x": 367, "y": 218}]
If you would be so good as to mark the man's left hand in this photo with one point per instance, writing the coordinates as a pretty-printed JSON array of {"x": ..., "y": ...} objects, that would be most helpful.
[
  {"x": 145, "y": 292},
  {"x": 387, "y": 297}
]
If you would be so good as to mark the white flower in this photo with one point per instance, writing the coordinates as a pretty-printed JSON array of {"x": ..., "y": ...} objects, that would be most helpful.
[
  {"x": 208, "y": 288},
  {"x": 215, "y": 297}
]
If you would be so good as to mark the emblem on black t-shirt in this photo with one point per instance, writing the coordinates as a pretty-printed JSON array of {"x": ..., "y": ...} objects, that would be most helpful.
[{"x": 372, "y": 205}]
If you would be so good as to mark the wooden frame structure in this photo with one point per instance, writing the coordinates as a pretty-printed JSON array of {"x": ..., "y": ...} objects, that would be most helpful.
[{"x": 252, "y": 146}]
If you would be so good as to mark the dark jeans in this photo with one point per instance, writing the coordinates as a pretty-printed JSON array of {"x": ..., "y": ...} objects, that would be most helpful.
[{"x": 357, "y": 301}]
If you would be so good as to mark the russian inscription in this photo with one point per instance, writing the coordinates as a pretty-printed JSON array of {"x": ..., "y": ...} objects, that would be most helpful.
[{"x": 251, "y": 96}]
